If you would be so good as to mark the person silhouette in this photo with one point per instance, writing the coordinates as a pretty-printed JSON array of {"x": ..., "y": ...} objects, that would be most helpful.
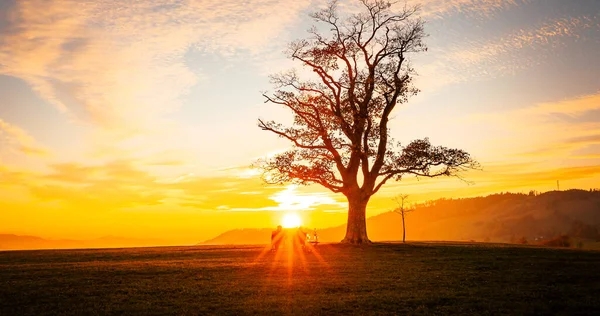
[
  {"x": 300, "y": 237},
  {"x": 276, "y": 237}
]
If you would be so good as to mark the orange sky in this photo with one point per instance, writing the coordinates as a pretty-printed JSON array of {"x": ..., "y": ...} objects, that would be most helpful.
[{"x": 139, "y": 120}]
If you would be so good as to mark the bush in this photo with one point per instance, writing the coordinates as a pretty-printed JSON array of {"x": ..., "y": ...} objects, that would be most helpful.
[
  {"x": 522, "y": 241},
  {"x": 559, "y": 241}
]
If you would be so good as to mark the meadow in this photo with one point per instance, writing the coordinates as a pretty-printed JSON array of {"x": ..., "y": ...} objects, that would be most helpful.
[{"x": 384, "y": 278}]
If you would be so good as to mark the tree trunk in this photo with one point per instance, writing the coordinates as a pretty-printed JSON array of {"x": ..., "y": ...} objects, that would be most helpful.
[
  {"x": 356, "y": 229},
  {"x": 403, "y": 229}
]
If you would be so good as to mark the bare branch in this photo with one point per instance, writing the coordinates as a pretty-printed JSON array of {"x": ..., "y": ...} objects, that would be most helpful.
[{"x": 359, "y": 72}]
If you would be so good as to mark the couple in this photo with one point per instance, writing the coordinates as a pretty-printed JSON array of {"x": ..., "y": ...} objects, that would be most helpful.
[{"x": 297, "y": 237}]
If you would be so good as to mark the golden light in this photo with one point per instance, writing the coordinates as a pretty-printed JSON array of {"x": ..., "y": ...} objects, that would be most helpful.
[{"x": 291, "y": 220}]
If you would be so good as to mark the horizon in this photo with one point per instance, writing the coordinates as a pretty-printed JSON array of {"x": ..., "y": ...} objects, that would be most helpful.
[
  {"x": 229, "y": 237},
  {"x": 140, "y": 121}
]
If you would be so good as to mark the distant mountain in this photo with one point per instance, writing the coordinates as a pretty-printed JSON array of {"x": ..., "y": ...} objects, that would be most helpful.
[
  {"x": 501, "y": 217},
  {"x": 248, "y": 236},
  {"x": 20, "y": 242}
]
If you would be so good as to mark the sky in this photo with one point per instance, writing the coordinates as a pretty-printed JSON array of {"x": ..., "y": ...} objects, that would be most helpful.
[{"x": 139, "y": 118}]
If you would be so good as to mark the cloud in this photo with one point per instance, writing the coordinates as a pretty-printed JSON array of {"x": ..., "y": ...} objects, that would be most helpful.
[
  {"x": 567, "y": 120},
  {"x": 524, "y": 148},
  {"x": 467, "y": 60},
  {"x": 541, "y": 133},
  {"x": 121, "y": 66},
  {"x": 439, "y": 9},
  {"x": 11, "y": 177},
  {"x": 473, "y": 8},
  {"x": 546, "y": 176},
  {"x": 590, "y": 139},
  {"x": 571, "y": 107},
  {"x": 539, "y": 39},
  {"x": 566, "y": 148},
  {"x": 15, "y": 139},
  {"x": 491, "y": 181},
  {"x": 109, "y": 186},
  {"x": 291, "y": 199},
  {"x": 127, "y": 184},
  {"x": 284, "y": 199}
]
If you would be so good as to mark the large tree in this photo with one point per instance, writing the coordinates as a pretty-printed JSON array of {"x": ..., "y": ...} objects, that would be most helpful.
[{"x": 358, "y": 74}]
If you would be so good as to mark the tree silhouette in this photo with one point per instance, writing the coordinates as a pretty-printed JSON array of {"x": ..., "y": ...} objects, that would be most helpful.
[
  {"x": 340, "y": 137},
  {"x": 402, "y": 210}
]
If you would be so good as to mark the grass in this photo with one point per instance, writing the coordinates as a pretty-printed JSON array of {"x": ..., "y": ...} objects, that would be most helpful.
[{"x": 417, "y": 278}]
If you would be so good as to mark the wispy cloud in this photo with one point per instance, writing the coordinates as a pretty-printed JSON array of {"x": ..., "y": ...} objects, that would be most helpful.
[
  {"x": 503, "y": 54},
  {"x": 123, "y": 67},
  {"x": 541, "y": 133},
  {"x": 474, "y": 8},
  {"x": 125, "y": 184},
  {"x": 439, "y": 9},
  {"x": 510, "y": 52},
  {"x": 571, "y": 107},
  {"x": 15, "y": 139}
]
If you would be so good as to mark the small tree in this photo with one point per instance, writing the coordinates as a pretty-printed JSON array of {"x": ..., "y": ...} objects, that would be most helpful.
[
  {"x": 340, "y": 136},
  {"x": 402, "y": 209}
]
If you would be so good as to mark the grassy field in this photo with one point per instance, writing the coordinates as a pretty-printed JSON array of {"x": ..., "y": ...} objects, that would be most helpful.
[{"x": 417, "y": 278}]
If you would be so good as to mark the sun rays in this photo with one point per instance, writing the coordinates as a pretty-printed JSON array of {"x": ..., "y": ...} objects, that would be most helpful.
[{"x": 294, "y": 258}]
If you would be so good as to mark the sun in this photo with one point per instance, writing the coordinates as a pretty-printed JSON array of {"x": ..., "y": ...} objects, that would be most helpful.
[{"x": 291, "y": 220}]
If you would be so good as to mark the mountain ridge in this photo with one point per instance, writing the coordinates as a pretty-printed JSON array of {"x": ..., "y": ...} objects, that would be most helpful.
[{"x": 29, "y": 242}]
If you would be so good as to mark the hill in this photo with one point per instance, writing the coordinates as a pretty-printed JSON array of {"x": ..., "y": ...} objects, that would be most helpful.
[
  {"x": 23, "y": 242},
  {"x": 247, "y": 236},
  {"x": 504, "y": 217}
]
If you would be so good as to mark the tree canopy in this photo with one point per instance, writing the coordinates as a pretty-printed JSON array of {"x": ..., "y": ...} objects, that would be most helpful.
[{"x": 360, "y": 72}]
